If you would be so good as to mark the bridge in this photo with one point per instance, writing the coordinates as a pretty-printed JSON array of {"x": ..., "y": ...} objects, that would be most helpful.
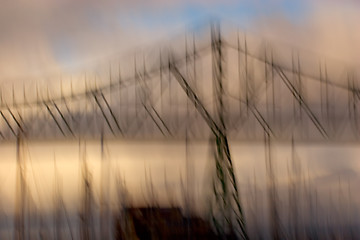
[
  {"x": 171, "y": 92},
  {"x": 210, "y": 84}
]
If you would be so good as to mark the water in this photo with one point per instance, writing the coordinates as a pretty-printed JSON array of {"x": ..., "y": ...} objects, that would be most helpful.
[{"x": 164, "y": 172}]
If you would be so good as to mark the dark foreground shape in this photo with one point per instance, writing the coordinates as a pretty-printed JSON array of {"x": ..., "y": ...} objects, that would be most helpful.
[{"x": 160, "y": 223}]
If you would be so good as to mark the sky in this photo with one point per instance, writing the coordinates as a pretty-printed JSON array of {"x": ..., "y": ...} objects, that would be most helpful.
[{"x": 43, "y": 39}]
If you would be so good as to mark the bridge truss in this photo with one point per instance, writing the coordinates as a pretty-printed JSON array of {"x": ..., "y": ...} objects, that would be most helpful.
[
  {"x": 284, "y": 93},
  {"x": 222, "y": 86}
]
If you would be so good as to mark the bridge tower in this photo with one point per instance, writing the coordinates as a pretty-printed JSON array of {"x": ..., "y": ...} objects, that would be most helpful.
[{"x": 227, "y": 199}]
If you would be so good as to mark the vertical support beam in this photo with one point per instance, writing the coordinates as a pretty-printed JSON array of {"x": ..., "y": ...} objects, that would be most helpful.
[
  {"x": 266, "y": 82},
  {"x": 295, "y": 193},
  {"x": 189, "y": 196},
  {"x": 58, "y": 202},
  {"x": 169, "y": 104},
  {"x": 197, "y": 84},
  {"x": 328, "y": 117},
  {"x": 161, "y": 83},
  {"x": 187, "y": 73},
  {"x": 84, "y": 111},
  {"x": 136, "y": 88},
  {"x": 225, "y": 184},
  {"x": 194, "y": 57},
  {"x": 300, "y": 84},
  {"x": 218, "y": 75},
  {"x": 294, "y": 79},
  {"x": 273, "y": 87},
  {"x": 239, "y": 70},
  {"x": 321, "y": 90},
  {"x": 119, "y": 89},
  {"x": 246, "y": 77},
  {"x": 86, "y": 226},
  {"x": 104, "y": 195},
  {"x": 274, "y": 219},
  {"x": 19, "y": 225}
]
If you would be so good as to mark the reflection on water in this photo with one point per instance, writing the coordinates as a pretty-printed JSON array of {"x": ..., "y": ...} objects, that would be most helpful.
[{"x": 121, "y": 189}]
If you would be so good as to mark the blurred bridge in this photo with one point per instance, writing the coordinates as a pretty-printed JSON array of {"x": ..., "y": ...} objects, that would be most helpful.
[
  {"x": 212, "y": 83},
  {"x": 283, "y": 92}
]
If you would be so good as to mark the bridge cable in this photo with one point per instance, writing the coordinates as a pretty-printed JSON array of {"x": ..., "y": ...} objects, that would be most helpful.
[
  {"x": 7, "y": 122},
  {"x": 111, "y": 112},
  {"x": 54, "y": 118},
  {"x": 63, "y": 118},
  {"x": 103, "y": 113},
  {"x": 287, "y": 69}
]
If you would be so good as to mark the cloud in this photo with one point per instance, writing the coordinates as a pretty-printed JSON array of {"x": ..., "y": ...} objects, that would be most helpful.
[
  {"x": 328, "y": 28},
  {"x": 41, "y": 38}
]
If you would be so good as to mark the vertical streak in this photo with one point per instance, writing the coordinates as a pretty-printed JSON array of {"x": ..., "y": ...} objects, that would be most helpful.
[
  {"x": 272, "y": 194},
  {"x": 19, "y": 229},
  {"x": 300, "y": 86},
  {"x": 266, "y": 82},
  {"x": 239, "y": 69},
  {"x": 187, "y": 74},
  {"x": 246, "y": 77},
  {"x": 273, "y": 86},
  {"x": 327, "y": 96},
  {"x": 225, "y": 170},
  {"x": 161, "y": 85},
  {"x": 104, "y": 196},
  {"x": 169, "y": 87},
  {"x": 197, "y": 85},
  {"x": 294, "y": 80},
  {"x": 135, "y": 88},
  {"x": 120, "y": 100},
  {"x": 321, "y": 90}
]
